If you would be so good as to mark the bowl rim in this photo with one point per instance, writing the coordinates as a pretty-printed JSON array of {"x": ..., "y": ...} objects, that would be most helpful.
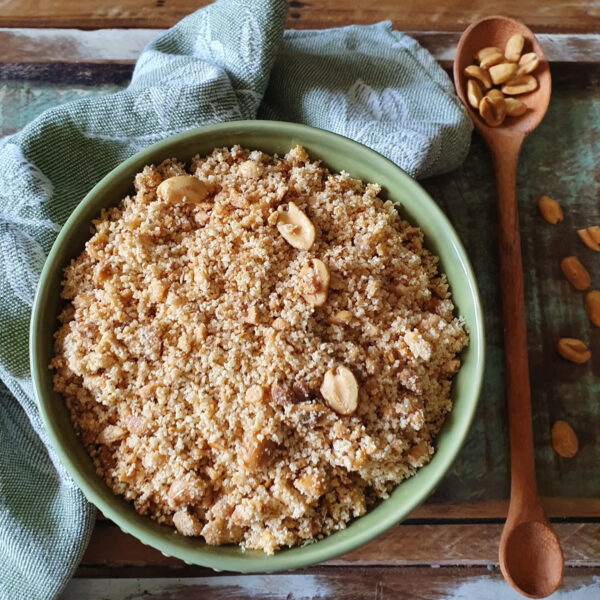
[{"x": 282, "y": 560}]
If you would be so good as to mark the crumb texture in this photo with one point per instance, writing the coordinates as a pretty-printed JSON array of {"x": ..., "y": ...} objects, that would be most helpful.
[{"x": 196, "y": 338}]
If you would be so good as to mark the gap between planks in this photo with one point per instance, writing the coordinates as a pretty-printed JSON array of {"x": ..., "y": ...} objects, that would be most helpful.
[{"x": 124, "y": 45}]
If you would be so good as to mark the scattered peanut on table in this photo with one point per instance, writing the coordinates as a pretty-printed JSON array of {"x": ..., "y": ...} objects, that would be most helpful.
[
  {"x": 564, "y": 440},
  {"x": 592, "y": 306},
  {"x": 550, "y": 209},
  {"x": 574, "y": 350},
  {"x": 590, "y": 236},
  {"x": 511, "y": 71},
  {"x": 576, "y": 273}
]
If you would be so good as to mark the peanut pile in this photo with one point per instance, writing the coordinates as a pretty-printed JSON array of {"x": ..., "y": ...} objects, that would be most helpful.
[{"x": 510, "y": 71}]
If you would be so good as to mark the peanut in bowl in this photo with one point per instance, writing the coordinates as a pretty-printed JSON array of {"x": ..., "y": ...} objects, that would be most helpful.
[{"x": 330, "y": 391}]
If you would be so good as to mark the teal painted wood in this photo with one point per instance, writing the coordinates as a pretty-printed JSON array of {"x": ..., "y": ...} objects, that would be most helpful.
[{"x": 558, "y": 160}]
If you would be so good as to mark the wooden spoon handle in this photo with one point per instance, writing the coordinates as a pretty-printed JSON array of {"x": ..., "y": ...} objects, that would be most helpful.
[{"x": 505, "y": 154}]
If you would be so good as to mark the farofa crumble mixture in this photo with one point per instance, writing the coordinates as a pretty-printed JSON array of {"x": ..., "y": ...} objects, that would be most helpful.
[{"x": 191, "y": 352}]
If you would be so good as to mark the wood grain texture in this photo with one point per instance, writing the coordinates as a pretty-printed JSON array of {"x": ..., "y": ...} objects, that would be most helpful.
[
  {"x": 328, "y": 584},
  {"x": 451, "y": 15},
  {"x": 465, "y": 544},
  {"x": 27, "y": 45}
]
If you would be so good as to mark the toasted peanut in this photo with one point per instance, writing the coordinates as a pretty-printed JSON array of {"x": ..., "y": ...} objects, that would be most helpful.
[
  {"x": 281, "y": 395},
  {"x": 514, "y": 47},
  {"x": 250, "y": 169},
  {"x": 279, "y": 324},
  {"x": 340, "y": 390},
  {"x": 495, "y": 95},
  {"x": 502, "y": 72},
  {"x": 528, "y": 63},
  {"x": 186, "y": 523},
  {"x": 418, "y": 453},
  {"x": 575, "y": 272},
  {"x": 520, "y": 85},
  {"x": 474, "y": 93},
  {"x": 184, "y": 491},
  {"x": 481, "y": 54},
  {"x": 564, "y": 440},
  {"x": 491, "y": 59},
  {"x": 594, "y": 232},
  {"x": 342, "y": 317},
  {"x": 138, "y": 425},
  {"x": 590, "y": 236},
  {"x": 316, "y": 292},
  {"x": 111, "y": 434},
  {"x": 254, "y": 394},
  {"x": 256, "y": 452},
  {"x": 492, "y": 111},
  {"x": 550, "y": 209},
  {"x": 310, "y": 484},
  {"x": 574, "y": 350},
  {"x": 182, "y": 188},
  {"x": 475, "y": 72},
  {"x": 295, "y": 227},
  {"x": 592, "y": 306},
  {"x": 514, "y": 107}
]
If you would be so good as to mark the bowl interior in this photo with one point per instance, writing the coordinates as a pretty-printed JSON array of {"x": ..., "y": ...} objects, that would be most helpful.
[{"x": 338, "y": 154}]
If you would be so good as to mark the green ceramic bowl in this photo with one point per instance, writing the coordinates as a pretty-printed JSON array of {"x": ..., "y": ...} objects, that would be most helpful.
[{"x": 337, "y": 153}]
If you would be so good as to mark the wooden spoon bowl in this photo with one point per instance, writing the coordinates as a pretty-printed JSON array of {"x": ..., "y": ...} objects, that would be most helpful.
[
  {"x": 530, "y": 556},
  {"x": 495, "y": 31}
]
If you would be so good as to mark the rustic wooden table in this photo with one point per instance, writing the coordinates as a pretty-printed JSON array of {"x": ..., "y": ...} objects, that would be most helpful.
[{"x": 448, "y": 547}]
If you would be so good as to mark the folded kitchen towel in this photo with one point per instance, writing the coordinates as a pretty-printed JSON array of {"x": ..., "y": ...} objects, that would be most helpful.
[{"x": 231, "y": 60}]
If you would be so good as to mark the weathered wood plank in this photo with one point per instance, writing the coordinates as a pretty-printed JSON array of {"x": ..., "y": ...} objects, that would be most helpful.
[
  {"x": 340, "y": 583},
  {"x": 447, "y": 544},
  {"x": 453, "y": 15},
  {"x": 27, "y": 45}
]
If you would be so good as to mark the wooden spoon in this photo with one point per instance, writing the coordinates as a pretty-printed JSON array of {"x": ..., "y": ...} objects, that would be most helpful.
[{"x": 530, "y": 555}]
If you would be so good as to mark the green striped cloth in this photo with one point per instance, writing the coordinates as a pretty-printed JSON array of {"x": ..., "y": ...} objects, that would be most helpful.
[{"x": 231, "y": 60}]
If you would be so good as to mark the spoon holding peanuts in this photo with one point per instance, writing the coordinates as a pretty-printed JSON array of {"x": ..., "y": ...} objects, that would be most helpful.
[{"x": 491, "y": 52}]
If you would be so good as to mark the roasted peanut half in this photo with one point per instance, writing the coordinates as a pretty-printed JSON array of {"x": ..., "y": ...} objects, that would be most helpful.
[
  {"x": 182, "y": 188},
  {"x": 574, "y": 350},
  {"x": 514, "y": 107},
  {"x": 550, "y": 209},
  {"x": 492, "y": 111},
  {"x": 481, "y": 54},
  {"x": 514, "y": 47},
  {"x": 475, "y": 72},
  {"x": 564, "y": 440},
  {"x": 590, "y": 236},
  {"x": 520, "y": 85},
  {"x": 495, "y": 95},
  {"x": 592, "y": 306},
  {"x": 502, "y": 72},
  {"x": 340, "y": 390},
  {"x": 474, "y": 93},
  {"x": 576, "y": 273},
  {"x": 318, "y": 286},
  {"x": 491, "y": 59},
  {"x": 528, "y": 63},
  {"x": 295, "y": 227}
]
